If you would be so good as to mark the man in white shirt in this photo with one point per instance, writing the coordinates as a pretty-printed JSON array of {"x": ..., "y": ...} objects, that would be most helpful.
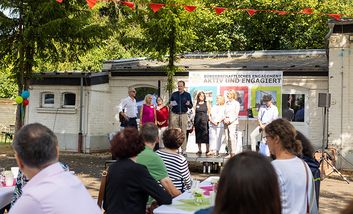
[
  {"x": 267, "y": 113},
  {"x": 50, "y": 188},
  {"x": 128, "y": 110}
]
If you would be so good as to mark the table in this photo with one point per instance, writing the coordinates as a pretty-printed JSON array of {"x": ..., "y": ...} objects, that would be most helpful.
[
  {"x": 6, "y": 195},
  {"x": 173, "y": 208}
]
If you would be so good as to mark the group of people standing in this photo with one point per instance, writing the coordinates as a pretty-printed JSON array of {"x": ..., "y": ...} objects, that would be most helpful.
[{"x": 209, "y": 123}]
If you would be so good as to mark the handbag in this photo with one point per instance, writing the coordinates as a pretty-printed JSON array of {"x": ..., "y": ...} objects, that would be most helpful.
[{"x": 122, "y": 119}]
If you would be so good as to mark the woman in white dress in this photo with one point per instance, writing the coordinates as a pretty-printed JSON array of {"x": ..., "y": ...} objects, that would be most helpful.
[
  {"x": 232, "y": 108},
  {"x": 216, "y": 126}
]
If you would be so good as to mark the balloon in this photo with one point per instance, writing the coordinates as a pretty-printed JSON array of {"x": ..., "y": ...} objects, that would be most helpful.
[
  {"x": 25, "y": 94},
  {"x": 19, "y": 99},
  {"x": 25, "y": 102}
]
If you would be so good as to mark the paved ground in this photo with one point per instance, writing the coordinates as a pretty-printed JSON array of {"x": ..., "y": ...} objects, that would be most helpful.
[{"x": 335, "y": 193}]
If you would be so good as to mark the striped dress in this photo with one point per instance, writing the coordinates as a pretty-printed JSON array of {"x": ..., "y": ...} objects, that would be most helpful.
[{"x": 177, "y": 168}]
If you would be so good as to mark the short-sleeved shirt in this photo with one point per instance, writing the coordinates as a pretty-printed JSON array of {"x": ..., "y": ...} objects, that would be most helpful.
[
  {"x": 128, "y": 105},
  {"x": 292, "y": 183},
  {"x": 153, "y": 162},
  {"x": 268, "y": 114}
]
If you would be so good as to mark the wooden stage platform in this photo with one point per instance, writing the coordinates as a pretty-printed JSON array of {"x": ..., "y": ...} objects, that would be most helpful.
[{"x": 209, "y": 163}]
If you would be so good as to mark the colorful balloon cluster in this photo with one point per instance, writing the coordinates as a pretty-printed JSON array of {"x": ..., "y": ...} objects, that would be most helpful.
[{"x": 23, "y": 99}]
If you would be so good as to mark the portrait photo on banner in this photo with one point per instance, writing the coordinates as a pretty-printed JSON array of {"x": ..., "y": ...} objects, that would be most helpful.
[
  {"x": 210, "y": 93},
  {"x": 242, "y": 96},
  {"x": 258, "y": 93}
]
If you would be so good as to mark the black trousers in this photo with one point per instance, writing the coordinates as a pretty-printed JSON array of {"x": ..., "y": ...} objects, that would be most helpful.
[{"x": 132, "y": 123}]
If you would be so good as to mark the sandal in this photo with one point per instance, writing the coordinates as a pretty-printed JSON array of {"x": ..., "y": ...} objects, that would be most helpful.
[{"x": 210, "y": 153}]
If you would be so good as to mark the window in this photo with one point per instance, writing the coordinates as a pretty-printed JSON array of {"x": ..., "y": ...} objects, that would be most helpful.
[
  {"x": 69, "y": 100},
  {"x": 47, "y": 100},
  {"x": 293, "y": 107}
]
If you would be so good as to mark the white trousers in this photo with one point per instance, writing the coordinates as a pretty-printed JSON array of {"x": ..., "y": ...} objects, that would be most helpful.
[
  {"x": 215, "y": 136},
  {"x": 253, "y": 137},
  {"x": 160, "y": 134},
  {"x": 230, "y": 131}
]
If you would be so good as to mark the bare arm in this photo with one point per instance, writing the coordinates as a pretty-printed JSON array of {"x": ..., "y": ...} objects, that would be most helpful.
[{"x": 169, "y": 187}]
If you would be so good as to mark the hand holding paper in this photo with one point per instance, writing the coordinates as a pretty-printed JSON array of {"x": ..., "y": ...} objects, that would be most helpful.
[{"x": 173, "y": 103}]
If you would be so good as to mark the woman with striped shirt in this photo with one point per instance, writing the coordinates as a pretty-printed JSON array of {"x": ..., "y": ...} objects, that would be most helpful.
[{"x": 177, "y": 166}]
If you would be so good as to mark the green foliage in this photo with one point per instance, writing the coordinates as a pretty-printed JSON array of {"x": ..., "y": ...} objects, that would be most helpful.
[
  {"x": 8, "y": 87},
  {"x": 44, "y": 31}
]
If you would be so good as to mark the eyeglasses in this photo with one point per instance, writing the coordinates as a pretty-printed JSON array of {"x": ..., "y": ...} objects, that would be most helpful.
[{"x": 265, "y": 137}]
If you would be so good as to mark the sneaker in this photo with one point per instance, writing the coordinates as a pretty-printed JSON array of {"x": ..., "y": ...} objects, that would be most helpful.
[{"x": 183, "y": 153}]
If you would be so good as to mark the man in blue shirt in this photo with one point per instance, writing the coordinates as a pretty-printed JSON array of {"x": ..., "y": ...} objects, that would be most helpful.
[{"x": 180, "y": 102}]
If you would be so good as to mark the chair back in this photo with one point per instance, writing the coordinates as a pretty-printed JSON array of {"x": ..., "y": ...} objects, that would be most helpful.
[{"x": 103, "y": 182}]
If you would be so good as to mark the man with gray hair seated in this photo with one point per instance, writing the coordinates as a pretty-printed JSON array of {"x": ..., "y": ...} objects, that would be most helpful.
[{"x": 50, "y": 188}]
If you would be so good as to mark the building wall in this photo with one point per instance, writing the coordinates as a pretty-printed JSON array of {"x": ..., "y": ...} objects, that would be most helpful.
[
  {"x": 311, "y": 87},
  {"x": 341, "y": 89},
  {"x": 8, "y": 113},
  {"x": 63, "y": 121},
  {"x": 98, "y": 119}
]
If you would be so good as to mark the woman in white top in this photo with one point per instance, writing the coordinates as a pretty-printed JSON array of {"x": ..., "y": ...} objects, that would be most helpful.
[
  {"x": 216, "y": 126},
  {"x": 232, "y": 108},
  {"x": 294, "y": 176}
]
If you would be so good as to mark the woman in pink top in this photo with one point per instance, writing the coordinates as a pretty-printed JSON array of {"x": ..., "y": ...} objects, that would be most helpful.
[{"x": 148, "y": 112}]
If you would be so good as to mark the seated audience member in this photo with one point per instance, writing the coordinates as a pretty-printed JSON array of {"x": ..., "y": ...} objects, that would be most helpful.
[
  {"x": 128, "y": 183},
  {"x": 50, "y": 188},
  {"x": 21, "y": 180},
  {"x": 308, "y": 156},
  {"x": 295, "y": 180},
  {"x": 152, "y": 161},
  {"x": 177, "y": 166},
  {"x": 248, "y": 184}
]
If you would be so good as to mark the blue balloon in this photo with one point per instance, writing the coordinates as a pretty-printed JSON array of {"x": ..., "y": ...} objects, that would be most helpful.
[{"x": 25, "y": 94}]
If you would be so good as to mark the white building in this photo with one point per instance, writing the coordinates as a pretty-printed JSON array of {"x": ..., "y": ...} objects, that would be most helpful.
[{"x": 74, "y": 103}]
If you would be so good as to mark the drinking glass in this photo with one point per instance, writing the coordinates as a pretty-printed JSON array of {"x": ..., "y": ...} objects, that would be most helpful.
[
  {"x": 8, "y": 178},
  {"x": 14, "y": 171}
]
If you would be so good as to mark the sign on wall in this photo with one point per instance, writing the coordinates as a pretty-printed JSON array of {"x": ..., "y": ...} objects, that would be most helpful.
[{"x": 250, "y": 87}]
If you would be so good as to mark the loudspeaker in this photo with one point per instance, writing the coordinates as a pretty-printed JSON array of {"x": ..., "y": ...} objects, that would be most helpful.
[{"x": 324, "y": 100}]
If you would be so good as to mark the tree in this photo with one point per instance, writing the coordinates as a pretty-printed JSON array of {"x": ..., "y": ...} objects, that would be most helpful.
[{"x": 43, "y": 30}]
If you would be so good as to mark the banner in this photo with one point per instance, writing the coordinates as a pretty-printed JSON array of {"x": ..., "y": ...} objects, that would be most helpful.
[{"x": 250, "y": 87}]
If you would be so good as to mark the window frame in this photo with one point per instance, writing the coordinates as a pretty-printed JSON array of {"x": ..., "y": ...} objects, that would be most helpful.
[
  {"x": 63, "y": 100},
  {"x": 43, "y": 99}
]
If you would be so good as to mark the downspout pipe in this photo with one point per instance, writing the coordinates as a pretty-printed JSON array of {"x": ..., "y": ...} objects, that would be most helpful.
[{"x": 80, "y": 136}]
